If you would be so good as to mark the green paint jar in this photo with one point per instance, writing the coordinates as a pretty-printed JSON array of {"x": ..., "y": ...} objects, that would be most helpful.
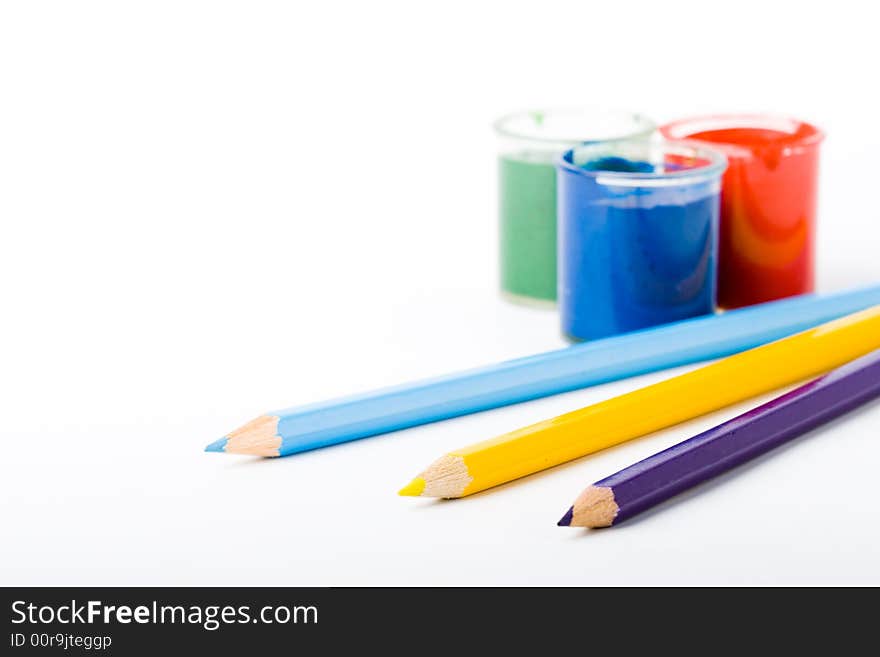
[{"x": 529, "y": 143}]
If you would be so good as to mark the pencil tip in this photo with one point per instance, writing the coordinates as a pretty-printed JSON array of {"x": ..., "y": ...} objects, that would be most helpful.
[
  {"x": 258, "y": 437},
  {"x": 566, "y": 519},
  {"x": 217, "y": 446},
  {"x": 447, "y": 477},
  {"x": 413, "y": 488},
  {"x": 595, "y": 507}
]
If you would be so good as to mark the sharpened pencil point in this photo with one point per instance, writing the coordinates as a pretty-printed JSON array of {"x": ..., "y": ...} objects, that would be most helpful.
[
  {"x": 566, "y": 519},
  {"x": 594, "y": 508},
  {"x": 217, "y": 446},
  {"x": 258, "y": 437},
  {"x": 447, "y": 477},
  {"x": 413, "y": 488}
]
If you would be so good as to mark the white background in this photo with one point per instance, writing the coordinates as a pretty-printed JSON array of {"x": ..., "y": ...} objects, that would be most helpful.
[{"x": 215, "y": 209}]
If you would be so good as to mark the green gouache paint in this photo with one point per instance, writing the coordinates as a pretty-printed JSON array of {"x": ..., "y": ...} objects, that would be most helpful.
[
  {"x": 527, "y": 185},
  {"x": 529, "y": 144}
]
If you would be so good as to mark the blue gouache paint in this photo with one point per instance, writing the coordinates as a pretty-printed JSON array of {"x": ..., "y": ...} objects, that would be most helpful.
[{"x": 638, "y": 236}]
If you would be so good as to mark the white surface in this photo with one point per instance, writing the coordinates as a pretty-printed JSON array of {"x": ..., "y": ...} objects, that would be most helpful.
[{"x": 214, "y": 209}]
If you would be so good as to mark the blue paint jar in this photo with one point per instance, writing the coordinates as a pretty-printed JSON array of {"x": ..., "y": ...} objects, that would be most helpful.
[{"x": 638, "y": 235}]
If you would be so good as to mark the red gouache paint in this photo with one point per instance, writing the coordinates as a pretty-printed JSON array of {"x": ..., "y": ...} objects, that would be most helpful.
[{"x": 768, "y": 203}]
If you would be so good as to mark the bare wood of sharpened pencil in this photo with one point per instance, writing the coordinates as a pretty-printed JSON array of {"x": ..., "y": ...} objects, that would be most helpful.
[
  {"x": 594, "y": 508},
  {"x": 258, "y": 437},
  {"x": 445, "y": 477}
]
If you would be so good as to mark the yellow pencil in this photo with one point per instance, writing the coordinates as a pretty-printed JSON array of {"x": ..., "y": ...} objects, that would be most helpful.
[{"x": 707, "y": 389}]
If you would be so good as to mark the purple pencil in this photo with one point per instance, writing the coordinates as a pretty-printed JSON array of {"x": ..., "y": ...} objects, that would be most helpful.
[{"x": 683, "y": 466}]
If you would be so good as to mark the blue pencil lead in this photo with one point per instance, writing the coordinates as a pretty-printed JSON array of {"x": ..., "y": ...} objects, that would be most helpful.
[{"x": 217, "y": 446}]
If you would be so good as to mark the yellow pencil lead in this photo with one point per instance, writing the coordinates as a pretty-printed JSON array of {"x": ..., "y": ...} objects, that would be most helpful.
[{"x": 413, "y": 488}]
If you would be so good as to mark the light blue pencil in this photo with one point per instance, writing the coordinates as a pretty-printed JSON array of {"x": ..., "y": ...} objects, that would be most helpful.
[{"x": 303, "y": 428}]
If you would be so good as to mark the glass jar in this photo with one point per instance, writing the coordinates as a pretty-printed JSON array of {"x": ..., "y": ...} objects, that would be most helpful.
[
  {"x": 638, "y": 234},
  {"x": 768, "y": 203}
]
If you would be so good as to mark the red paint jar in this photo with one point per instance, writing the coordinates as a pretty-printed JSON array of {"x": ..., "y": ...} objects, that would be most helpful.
[{"x": 768, "y": 203}]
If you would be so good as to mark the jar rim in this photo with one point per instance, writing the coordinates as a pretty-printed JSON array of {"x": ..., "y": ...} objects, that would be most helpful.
[
  {"x": 794, "y": 133},
  {"x": 506, "y": 126},
  {"x": 712, "y": 165}
]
